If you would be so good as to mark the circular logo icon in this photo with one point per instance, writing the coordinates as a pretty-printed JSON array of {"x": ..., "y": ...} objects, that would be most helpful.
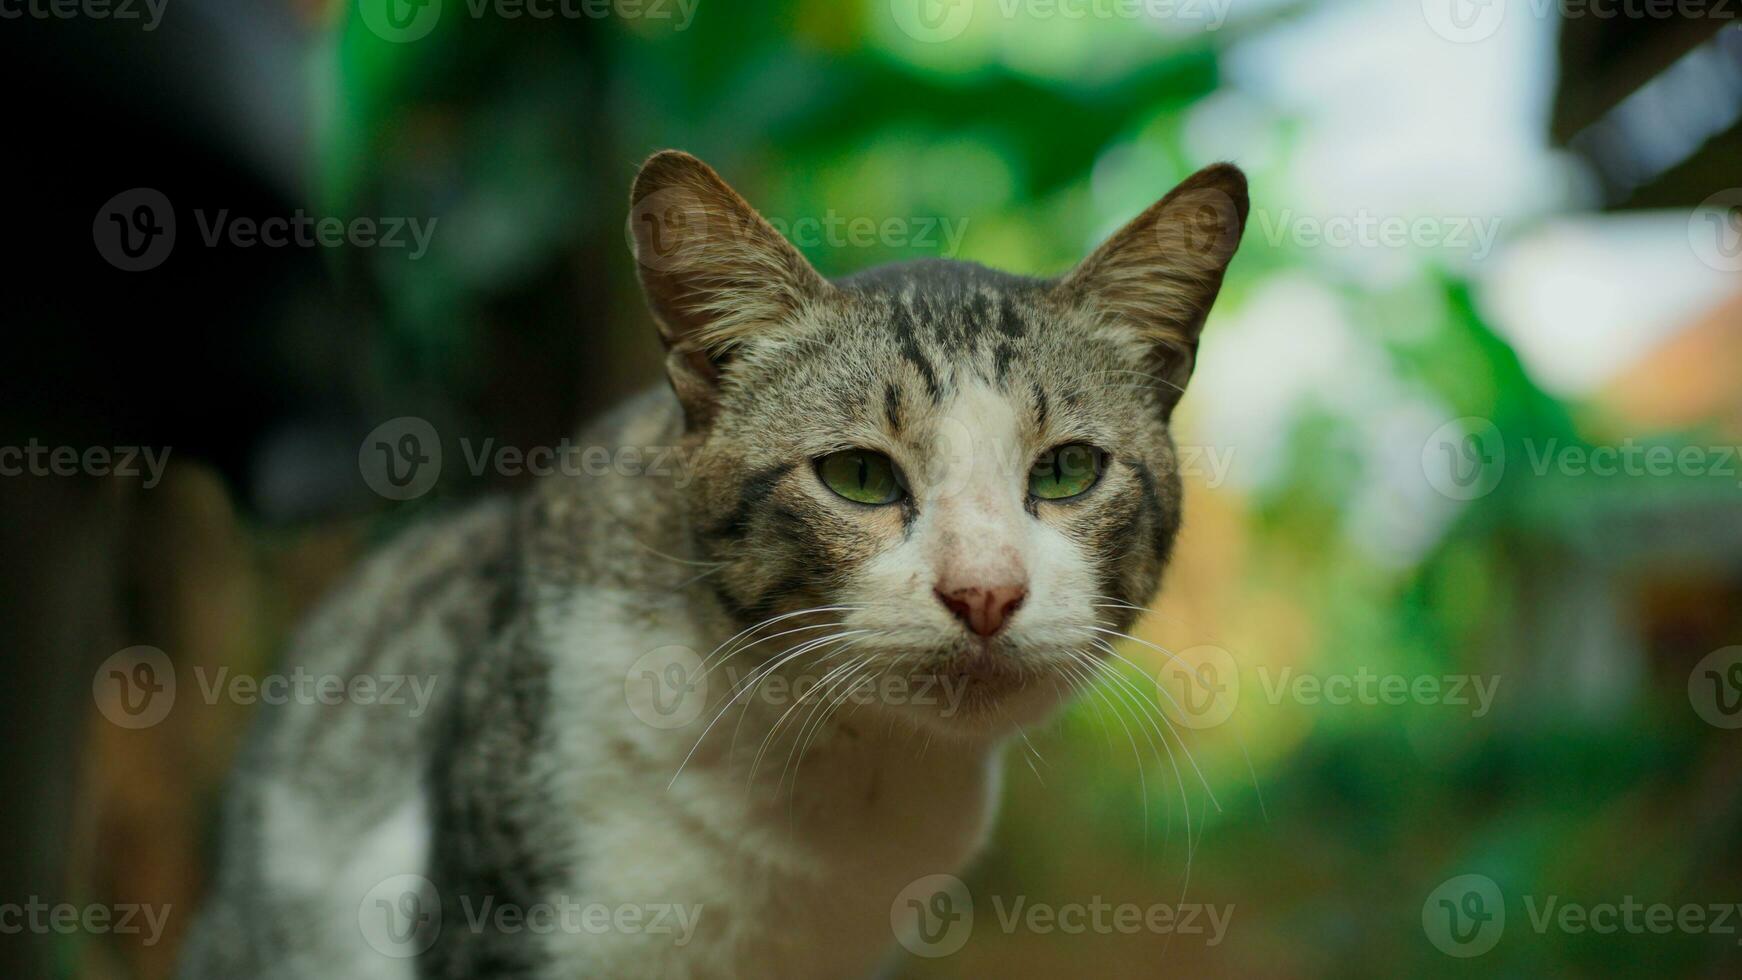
[
  {"x": 932, "y": 21},
  {"x": 666, "y": 688},
  {"x": 1199, "y": 686},
  {"x": 1465, "y": 458},
  {"x": 665, "y": 226},
  {"x": 933, "y": 916},
  {"x": 1715, "y": 230},
  {"x": 1464, "y": 916},
  {"x": 135, "y": 688},
  {"x": 401, "y": 458},
  {"x": 400, "y": 21},
  {"x": 1464, "y": 21},
  {"x": 1715, "y": 688},
  {"x": 402, "y": 916},
  {"x": 135, "y": 230}
]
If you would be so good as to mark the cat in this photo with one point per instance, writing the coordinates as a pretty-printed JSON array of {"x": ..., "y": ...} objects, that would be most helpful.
[{"x": 926, "y": 489}]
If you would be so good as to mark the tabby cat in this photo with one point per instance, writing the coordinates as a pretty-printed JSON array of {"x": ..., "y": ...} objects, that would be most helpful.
[{"x": 711, "y": 722}]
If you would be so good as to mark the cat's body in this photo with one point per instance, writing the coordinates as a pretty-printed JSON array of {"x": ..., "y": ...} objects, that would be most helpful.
[
  {"x": 547, "y": 798},
  {"x": 330, "y": 803}
]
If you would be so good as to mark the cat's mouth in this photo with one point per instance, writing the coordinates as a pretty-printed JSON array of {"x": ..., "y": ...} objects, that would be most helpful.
[{"x": 982, "y": 684}]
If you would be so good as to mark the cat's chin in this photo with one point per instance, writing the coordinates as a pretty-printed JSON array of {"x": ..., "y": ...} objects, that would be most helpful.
[{"x": 980, "y": 699}]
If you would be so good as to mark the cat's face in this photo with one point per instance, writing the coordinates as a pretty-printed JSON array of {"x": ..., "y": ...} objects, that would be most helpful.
[{"x": 967, "y": 476}]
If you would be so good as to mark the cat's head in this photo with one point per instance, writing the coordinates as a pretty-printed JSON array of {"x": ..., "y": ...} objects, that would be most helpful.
[{"x": 966, "y": 474}]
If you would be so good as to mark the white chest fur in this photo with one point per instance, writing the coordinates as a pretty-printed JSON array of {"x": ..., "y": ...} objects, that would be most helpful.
[{"x": 791, "y": 874}]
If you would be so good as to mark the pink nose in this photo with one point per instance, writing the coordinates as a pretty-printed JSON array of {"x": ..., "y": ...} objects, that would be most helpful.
[{"x": 983, "y": 610}]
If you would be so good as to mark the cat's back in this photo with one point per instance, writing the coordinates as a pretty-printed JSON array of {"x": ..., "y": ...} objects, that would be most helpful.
[{"x": 327, "y": 800}]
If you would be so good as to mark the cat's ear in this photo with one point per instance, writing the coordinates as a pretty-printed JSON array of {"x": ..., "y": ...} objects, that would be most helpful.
[
  {"x": 714, "y": 272},
  {"x": 1159, "y": 275}
]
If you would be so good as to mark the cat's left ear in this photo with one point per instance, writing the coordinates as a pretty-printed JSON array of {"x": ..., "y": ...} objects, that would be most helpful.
[
  {"x": 1159, "y": 275},
  {"x": 715, "y": 273}
]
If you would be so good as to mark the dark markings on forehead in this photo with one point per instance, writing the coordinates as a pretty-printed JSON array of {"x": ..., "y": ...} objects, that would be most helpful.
[
  {"x": 902, "y": 321},
  {"x": 892, "y": 406},
  {"x": 1009, "y": 323},
  {"x": 946, "y": 314},
  {"x": 1002, "y": 359},
  {"x": 1040, "y": 407}
]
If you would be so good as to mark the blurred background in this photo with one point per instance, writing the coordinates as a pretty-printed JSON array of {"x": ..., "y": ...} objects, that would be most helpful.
[{"x": 1464, "y": 426}]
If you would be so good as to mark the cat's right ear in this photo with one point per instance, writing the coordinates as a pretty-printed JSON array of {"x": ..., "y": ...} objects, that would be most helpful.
[{"x": 714, "y": 272}]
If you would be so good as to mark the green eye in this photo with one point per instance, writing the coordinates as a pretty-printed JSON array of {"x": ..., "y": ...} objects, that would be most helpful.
[
  {"x": 861, "y": 476},
  {"x": 1065, "y": 472}
]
